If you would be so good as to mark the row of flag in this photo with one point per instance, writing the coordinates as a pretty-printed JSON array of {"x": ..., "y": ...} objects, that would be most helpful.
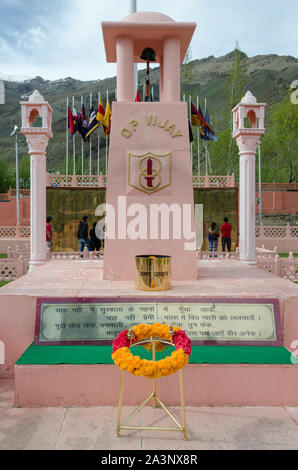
[
  {"x": 79, "y": 123},
  {"x": 198, "y": 120}
]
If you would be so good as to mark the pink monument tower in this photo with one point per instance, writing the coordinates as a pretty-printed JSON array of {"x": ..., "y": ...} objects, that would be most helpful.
[
  {"x": 149, "y": 177},
  {"x": 37, "y": 140},
  {"x": 247, "y": 138}
]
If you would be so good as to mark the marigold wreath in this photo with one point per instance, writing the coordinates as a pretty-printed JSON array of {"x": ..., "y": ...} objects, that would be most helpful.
[{"x": 125, "y": 360}]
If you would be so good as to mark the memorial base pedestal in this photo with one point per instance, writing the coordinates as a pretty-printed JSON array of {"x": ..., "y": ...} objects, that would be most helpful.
[{"x": 65, "y": 383}]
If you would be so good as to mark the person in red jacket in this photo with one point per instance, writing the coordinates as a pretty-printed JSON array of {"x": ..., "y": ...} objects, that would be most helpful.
[
  {"x": 226, "y": 229},
  {"x": 49, "y": 233}
]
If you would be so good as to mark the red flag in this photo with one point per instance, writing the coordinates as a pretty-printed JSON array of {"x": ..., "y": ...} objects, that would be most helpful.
[
  {"x": 70, "y": 122},
  {"x": 197, "y": 118},
  {"x": 138, "y": 98}
]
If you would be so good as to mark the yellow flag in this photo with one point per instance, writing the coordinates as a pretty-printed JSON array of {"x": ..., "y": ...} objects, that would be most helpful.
[
  {"x": 101, "y": 112},
  {"x": 107, "y": 119}
]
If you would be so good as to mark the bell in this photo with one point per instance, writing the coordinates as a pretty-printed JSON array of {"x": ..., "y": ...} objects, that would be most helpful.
[{"x": 148, "y": 54}]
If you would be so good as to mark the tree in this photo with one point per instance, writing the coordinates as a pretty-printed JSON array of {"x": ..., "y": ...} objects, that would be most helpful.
[
  {"x": 280, "y": 143},
  {"x": 6, "y": 177}
]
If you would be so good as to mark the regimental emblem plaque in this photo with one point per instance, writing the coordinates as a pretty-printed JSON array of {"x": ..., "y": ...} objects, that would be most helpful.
[{"x": 149, "y": 172}]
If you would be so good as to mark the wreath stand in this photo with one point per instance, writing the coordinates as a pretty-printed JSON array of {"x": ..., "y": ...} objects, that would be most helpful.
[{"x": 124, "y": 426}]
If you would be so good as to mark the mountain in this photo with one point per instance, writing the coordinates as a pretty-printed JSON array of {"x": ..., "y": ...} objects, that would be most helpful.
[
  {"x": 14, "y": 78},
  {"x": 268, "y": 77}
]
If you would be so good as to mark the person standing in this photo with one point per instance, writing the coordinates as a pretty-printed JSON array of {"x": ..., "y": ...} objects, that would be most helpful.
[
  {"x": 94, "y": 241},
  {"x": 49, "y": 233},
  {"x": 226, "y": 229},
  {"x": 213, "y": 235},
  {"x": 83, "y": 234}
]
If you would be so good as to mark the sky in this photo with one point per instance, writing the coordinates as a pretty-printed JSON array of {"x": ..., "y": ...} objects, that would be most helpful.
[{"x": 62, "y": 38}]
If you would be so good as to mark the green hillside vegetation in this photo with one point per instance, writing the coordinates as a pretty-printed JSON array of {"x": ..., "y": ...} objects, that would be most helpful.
[{"x": 222, "y": 81}]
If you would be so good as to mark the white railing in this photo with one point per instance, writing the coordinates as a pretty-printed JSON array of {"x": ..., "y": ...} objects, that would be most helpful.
[
  {"x": 277, "y": 231},
  {"x": 15, "y": 232},
  {"x": 12, "y": 269},
  {"x": 287, "y": 268},
  {"x": 67, "y": 255}
]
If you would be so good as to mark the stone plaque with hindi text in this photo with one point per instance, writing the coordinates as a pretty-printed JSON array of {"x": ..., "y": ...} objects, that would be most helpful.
[{"x": 218, "y": 321}]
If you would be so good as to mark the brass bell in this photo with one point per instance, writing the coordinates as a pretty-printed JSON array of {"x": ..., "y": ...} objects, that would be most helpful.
[{"x": 148, "y": 54}]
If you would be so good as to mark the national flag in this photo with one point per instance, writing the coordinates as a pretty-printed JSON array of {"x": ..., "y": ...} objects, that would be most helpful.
[
  {"x": 210, "y": 134},
  {"x": 70, "y": 122},
  {"x": 93, "y": 123},
  {"x": 138, "y": 98},
  {"x": 75, "y": 120},
  {"x": 107, "y": 119},
  {"x": 101, "y": 112},
  {"x": 83, "y": 124},
  {"x": 197, "y": 118}
]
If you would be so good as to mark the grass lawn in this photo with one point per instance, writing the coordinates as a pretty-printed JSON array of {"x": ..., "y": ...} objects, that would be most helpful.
[
  {"x": 3, "y": 283},
  {"x": 3, "y": 255},
  {"x": 286, "y": 255}
]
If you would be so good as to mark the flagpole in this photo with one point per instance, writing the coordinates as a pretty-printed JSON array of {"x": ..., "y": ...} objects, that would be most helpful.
[
  {"x": 107, "y": 139},
  {"x": 90, "y": 157},
  {"x": 74, "y": 143},
  {"x": 199, "y": 159},
  {"x": 98, "y": 142},
  {"x": 205, "y": 143},
  {"x": 133, "y": 9},
  {"x": 191, "y": 159},
  {"x": 66, "y": 164},
  {"x": 82, "y": 169}
]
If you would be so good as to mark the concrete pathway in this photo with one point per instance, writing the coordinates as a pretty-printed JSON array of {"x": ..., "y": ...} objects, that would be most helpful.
[{"x": 232, "y": 428}]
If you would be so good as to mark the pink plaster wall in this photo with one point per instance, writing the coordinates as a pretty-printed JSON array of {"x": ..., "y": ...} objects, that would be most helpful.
[
  {"x": 204, "y": 385},
  {"x": 17, "y": 320},
  {"x": 283, "y": 202},
  {"x": 8, "y": 212}
]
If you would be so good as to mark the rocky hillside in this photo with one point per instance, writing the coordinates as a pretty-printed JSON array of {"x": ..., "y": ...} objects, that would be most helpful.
[{"x": 268, "y": 76}]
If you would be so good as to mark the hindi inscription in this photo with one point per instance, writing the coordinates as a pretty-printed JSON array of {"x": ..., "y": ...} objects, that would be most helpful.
[{"x": 96, "y": 322}]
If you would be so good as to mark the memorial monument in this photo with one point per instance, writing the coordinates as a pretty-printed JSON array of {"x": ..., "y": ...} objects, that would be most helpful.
[
  {"x": 149, "y": 160},
  {"x": 241, "y": 321}
]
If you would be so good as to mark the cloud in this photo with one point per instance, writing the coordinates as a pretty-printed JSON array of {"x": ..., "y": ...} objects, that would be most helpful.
[
  {"x": 57, "y": 39},
  {"x": 32, "y": 37}
]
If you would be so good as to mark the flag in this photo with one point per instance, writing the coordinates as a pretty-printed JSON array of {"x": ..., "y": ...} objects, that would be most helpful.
[
  {"x": 210, "y": 134},
  {"x": 93, "y": 123},
  {"x": 197, "y": 117},
  {"x": 107, "y": 119},
  {"x": 70, "y": 122},
  {"x": 83, "y": 124},
  {"x": 75, "y": 121},
  {"x": 138, "y": 98},
  {"x": 101, "y": 112}
]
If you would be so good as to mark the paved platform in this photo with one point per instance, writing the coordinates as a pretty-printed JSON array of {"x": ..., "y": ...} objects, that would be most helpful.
[{"x": 216, "y": 428}]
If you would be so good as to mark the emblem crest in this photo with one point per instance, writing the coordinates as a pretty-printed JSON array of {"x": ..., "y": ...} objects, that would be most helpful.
[{"x": 149, "y": 172}]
